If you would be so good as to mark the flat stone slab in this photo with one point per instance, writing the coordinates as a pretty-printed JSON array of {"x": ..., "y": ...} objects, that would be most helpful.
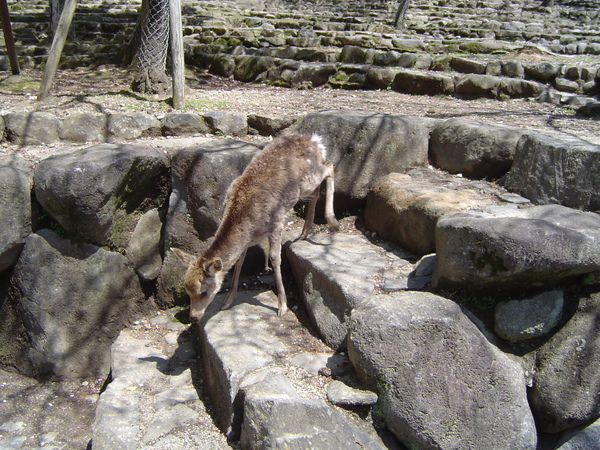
[
  {"x": 245, "y": 344},
  {"x": 404, "y": 207},
  {"x": 337, "y": 272},
  {"x": 152, "y": 401}
]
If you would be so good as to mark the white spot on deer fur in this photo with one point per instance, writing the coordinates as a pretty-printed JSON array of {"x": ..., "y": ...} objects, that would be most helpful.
[{"x": 319, "y": 141}]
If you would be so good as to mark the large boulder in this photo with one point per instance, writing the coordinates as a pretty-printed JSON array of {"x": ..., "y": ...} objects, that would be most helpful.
[
  {"x": 441, "y": 383},
  {"x": 101, "y": 192},
  {"x": 567, "y": 372},
  {"x": 556, "y": 168},
  {"x": 515, "y": 249},
  {"x": 75, "y": 298},
  {"x": 365, "y": 146},
  {"x": 201, "y": 175},
  {"x": 405, "y": 208},
  {"x": 16, "y": 181},
  {"x": 475, "y": 149}
]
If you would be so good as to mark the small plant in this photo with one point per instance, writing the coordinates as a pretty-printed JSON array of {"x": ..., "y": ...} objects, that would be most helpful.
[
  {"x": 300, "y": 209},
  {"x": 465, "y": 298}
]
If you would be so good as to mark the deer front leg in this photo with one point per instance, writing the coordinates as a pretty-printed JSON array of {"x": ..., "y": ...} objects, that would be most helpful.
[
  {"x": 234, "y": 282},
  {"x": 329, "y": 213},
  {"x": 310, "y": 214},
  {"x": 275, "y": 257}
]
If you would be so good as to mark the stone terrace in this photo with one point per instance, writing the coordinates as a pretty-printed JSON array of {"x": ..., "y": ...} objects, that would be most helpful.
[{"x": 346, "y": 39}]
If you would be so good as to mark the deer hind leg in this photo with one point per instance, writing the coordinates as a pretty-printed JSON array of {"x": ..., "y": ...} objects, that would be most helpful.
[
  {"x": 275, "y": 257},
  {"x": 310, "y": 213},
  {"x": 235, "y": 281}
]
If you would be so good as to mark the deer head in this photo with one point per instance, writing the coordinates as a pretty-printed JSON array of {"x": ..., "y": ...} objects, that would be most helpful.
[{"x": 202, "y": 281}]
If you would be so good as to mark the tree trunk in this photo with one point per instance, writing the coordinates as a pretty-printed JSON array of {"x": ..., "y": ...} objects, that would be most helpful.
[
  {"x": 56, "y": 7},
  {"x": 150, "y": 47},
  {"x": 401, "y": 13}
]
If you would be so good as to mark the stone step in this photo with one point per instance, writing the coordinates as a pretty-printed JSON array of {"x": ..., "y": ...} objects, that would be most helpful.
[{"x": 163, "y": 385}]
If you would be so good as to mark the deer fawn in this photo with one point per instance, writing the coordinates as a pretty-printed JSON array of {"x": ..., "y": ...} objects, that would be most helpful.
[{"x": 290, "y": 168}]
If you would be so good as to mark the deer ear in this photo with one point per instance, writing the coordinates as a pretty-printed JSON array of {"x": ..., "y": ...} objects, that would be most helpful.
[
  {"x": 184, "y": 257},
  {"x": 215, "y": 266}
]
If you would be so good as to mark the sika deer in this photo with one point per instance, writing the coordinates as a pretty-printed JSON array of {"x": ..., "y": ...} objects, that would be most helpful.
[{"x": 290, "y": 168}]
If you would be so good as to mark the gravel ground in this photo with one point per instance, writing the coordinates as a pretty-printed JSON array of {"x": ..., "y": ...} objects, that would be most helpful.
[{"x": 106, "y": 89}]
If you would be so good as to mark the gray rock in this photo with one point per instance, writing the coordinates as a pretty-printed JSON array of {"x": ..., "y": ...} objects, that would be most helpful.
[
  {"x": 99, "y": 192},
  {"x": 566, "y": 85},
  {"x": 146, "y": 246},
  {"x": 249, "y": 67},
  {"x": 423, "y": 83},
  {"x": 315, "y": 363},
  {"x": 516, "y": 88},
  {"x": 481, "y": 46},
  {"x": 229, "y": 359},
  {"x": 543, "y": 70},
  {"x": 335, "y": 274},
  {"x": 381, "y": 77},
  {"x": 567, "y": 378},
  {"x": 353, "y": 54},
  {"x": 389, "y": 58},
  {"x": 271, "y": 126},
  {"x": 512, "y": 69},
  {"x": 75, "y": 300},
  {"x": 365, "y": 146},
  {"x": 223, "y": 65},
  {"x": 515, "y": 249},
  {"x": 405, "y": 208},
  {"x": 15, "y": 442},
  {"x": 465, "y": 65},
  {"x": 556, "y": 169},
  {"x": 16, "y": 181},
  {"x": 35, "y": 128},
  {"x": 476, "y": 86},
  {"x": 84, "y": 127},
  {"x": 151, "y": 394},
  {"x": 341, "y": 394},
  {"x": 423, "y": 61},
  {"x": 427, "y": 358},
  {"x": 312, "y": 74},
  {"x": 275, "y": 416},
  {"x": 227, "y": 123},
  {"x": 475, "y": 149},
  {"x": 530, "y": 318},
  {"x": 180, "y": 124},
  {"x": 586, "y": 438},
  {"x": 132, "y": 126}
]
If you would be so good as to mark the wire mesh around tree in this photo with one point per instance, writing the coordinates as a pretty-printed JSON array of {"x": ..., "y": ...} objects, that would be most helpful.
[{"x": 151, "y": 37}]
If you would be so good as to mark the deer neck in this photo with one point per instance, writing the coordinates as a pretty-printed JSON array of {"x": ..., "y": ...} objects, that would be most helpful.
[{"x": 227, "y": 245}]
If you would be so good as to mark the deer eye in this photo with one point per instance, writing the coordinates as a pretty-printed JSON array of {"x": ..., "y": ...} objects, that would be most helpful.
[{"x": 203, "y": 295}]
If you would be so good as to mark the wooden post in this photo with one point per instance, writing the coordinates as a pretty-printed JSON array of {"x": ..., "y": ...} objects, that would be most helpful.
[
  {"x": 8, "y": 38},
  {"x": 177, "y": 57},
  {"x": 58, "y": 43}
]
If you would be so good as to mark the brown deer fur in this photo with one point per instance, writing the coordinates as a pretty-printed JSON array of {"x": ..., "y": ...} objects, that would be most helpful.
[{"x": 290, "y": 168}]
